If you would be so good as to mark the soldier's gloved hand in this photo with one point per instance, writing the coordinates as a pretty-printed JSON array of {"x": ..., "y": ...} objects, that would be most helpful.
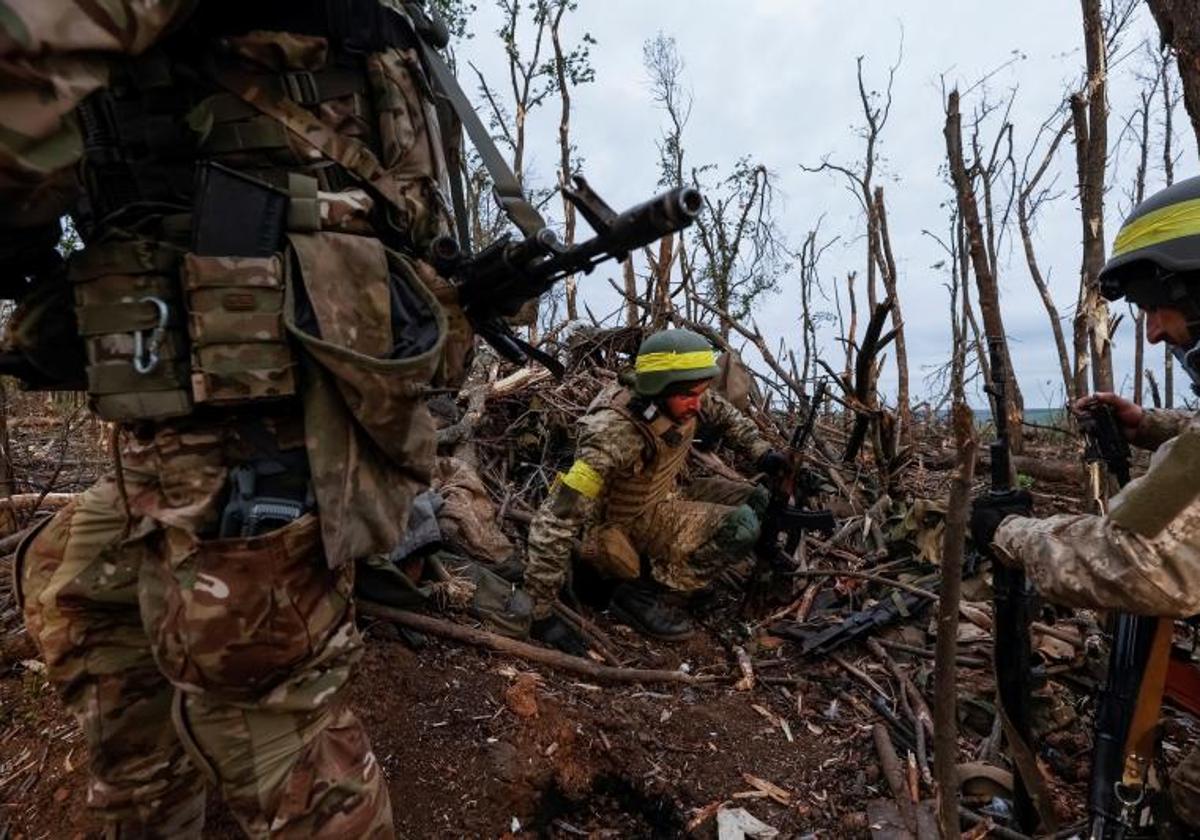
[
  {"x": 990, "y": 509},
  {"x": 556, "y": 633},
  {"x": 774, "y": 463}
]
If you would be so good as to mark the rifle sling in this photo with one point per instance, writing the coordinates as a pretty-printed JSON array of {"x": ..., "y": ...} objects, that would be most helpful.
[
  {"x": 1143, "y": 726},
  {"x": 509, "y": 193}
]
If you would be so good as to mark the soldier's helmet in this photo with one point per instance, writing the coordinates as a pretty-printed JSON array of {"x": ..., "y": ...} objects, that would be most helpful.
[
  {"x": 1156, "y": 256},
  {"x": 671, "y": 356}
]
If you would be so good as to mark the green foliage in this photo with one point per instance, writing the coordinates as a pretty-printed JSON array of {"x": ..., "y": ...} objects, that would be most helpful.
[{"x": 1025, "y": 482}]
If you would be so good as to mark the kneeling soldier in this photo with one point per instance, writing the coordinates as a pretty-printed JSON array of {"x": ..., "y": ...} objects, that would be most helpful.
[{"x": 621, "y": 494}]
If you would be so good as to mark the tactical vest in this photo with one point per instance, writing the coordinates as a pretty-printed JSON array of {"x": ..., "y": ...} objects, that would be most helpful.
[
  {"x": 212, "y": 164},
  {"x": 665, "y": 449}
]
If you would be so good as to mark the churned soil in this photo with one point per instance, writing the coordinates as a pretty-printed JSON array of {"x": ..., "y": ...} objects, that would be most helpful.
[{"x": 475, "y": 745}]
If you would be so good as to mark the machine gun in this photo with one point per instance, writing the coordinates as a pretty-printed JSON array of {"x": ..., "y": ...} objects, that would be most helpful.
[
  {"x": 1129, "y": 701},
  {"x": 786, "y": 513},
  {"x": 1013, "y": 613},
  {"x": 497, "y": 281}
]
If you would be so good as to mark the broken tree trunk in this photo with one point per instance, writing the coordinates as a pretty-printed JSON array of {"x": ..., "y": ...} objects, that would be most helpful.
[{"x": 945, "y": 676}]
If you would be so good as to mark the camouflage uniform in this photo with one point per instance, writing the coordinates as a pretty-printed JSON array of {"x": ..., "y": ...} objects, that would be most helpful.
[
  {"x": 621, "y": 494},
  {"x": 1143, "y": 557},
  {"x": 190, "y": 659}
]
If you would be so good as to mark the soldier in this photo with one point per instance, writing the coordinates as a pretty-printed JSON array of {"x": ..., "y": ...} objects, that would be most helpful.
[
  {"x": 1144, "y": 556},
  {"x": 254, "y": 183},
  {"x": 621, "y": 494}
]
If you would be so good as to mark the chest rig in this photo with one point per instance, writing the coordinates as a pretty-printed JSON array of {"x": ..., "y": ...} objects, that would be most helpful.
[
  {"x": 665, "y": 449},
  {"x": 202, "y": 157}
]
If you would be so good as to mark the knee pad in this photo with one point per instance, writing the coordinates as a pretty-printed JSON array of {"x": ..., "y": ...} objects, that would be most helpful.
[
  {"x": 738, "y": 531},
  {"x": 758, "y": 500}
]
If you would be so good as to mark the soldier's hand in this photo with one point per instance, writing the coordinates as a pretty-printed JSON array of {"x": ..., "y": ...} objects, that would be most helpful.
[
  {"x": 990, "y": 509},
  {"x": 774, "y": 463},
  {"x": 556, "y": 633},
  {"x": 1128, "y": 413}
]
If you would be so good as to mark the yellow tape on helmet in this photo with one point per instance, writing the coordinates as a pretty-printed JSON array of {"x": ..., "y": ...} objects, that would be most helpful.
[
  {"x": 656, "y": 362},
  {"x": 1171, "y": 222}
]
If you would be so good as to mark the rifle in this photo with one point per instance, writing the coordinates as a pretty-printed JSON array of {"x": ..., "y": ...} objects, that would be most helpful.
[
  {"x": 822, "y": 641},
  {"x": 1013, "y": 613},
  {"x": 784, "y": 517},
  {"x": 498, "y": 280},
  {"x": 1129, "y": 701},
  {"x": 506, "y": 274}
]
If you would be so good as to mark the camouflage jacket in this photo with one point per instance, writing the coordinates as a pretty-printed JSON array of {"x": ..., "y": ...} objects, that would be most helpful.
[
  {"x": 1144, "y": 556},
  {"x": 610, "y": 448}
]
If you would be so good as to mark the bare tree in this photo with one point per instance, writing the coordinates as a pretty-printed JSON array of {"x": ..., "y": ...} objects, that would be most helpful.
[
  {"x": 860, "y": 179},
  {"x": 1089, "y": 115},
  {"x": 1179, "y": 26},
  {"x": 1030, "y": 198},
  {"x": 1170, "y": 98},
  {"x": 735, "y": 251},
  {"x": 982, "y": 266},
  {"x": 1139, "y": 125},
  {"x": 664, "y": 66},
  {"x": 887, "y": 269},
  {"x": 571, "y": 69}
]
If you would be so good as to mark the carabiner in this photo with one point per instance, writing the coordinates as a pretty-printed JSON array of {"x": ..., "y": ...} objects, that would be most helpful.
[{"x": 145, "y": 350}]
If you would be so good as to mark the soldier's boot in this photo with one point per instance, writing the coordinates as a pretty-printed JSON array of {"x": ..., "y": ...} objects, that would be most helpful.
[{"x": 647, "y": 609}]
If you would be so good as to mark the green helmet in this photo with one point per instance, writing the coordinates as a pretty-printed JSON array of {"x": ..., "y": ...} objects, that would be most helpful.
[
  {"x": 672, "y": 356},
  {"x": 1156, "y": 256}
]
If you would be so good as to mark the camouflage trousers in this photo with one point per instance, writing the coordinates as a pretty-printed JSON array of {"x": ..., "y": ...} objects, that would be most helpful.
[
  {"x": 685, "y": 539},
  {"x": 191, "y": 662}
]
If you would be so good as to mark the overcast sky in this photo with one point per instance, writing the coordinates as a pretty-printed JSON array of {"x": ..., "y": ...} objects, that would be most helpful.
[{"x": 775, "y": 80}]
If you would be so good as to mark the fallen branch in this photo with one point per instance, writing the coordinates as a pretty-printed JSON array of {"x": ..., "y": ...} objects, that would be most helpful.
[
  {"x": 895, "y": 584},
  {"x": 553, "y": 658},
  {"x": 893, "y": 772}
]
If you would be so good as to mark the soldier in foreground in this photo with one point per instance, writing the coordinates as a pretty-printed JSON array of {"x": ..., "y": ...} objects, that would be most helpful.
[
  {"x": 620, "y": 494},
  {"x": 254, "y": 183},
  {"x": 1144, "y": 556}
]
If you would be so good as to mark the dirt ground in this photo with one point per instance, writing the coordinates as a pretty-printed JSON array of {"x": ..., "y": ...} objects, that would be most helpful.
[{"x": 483, "y": 746}]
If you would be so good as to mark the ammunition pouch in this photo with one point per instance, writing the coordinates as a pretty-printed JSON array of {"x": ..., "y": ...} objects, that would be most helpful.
[
  {"x": 239, "y": 350},
  {"x": 129, "y": 311}
]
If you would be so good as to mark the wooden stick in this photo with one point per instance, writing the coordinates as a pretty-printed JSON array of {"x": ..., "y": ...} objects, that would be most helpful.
[
  {"x": 893, "y": 771},
  {"x": 919, "y": 706},
  {"x": 895, "y": 584},
  {"x": 545, "y": 656},
  {"x": 588, "y": 630},
  {"x": 859, "y": 674},
  {"x": 925, "y": 653}
]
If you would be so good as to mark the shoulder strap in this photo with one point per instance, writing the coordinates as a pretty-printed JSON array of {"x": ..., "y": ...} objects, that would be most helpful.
[{"x": 509, "y": 193}]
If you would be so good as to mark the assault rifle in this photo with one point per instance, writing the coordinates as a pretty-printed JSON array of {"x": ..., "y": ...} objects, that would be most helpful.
[
  {"x": 497, "y": 281},
  {"x": 786, "y": 514},
  {"x": 1013, "y": 613},
  {"x": 1129, "y": 701}
]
